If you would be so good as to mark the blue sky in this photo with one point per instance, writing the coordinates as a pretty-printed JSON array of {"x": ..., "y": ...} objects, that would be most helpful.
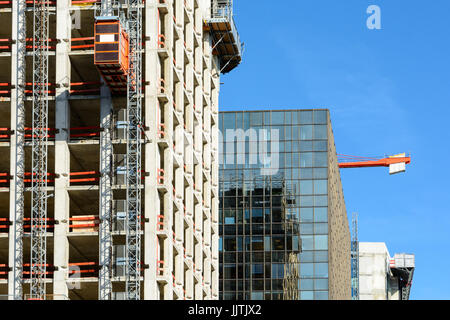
[{"x": 388, "y": 92}]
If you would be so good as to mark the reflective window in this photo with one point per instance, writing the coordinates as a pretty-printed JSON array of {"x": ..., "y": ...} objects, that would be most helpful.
[
  {"x": 306, "y": 117},
  {"x": 256, "y": 119},
  {"x": 320, "y": 295},
  {"x": 321, "y": 228},
  {"x": 321, "y": 284},
  {"x": 306, "y": 132},
  {"x": 306, "y": 214},
  {"x": 320, "y": 186},
  {"x": 321, "y": 242},
  {"x": 306, "y": 159},
  {"x": 320, "y": 214},
  {"x": 277, "y": 117},
  {"x": 320, "y": 116},
  {"x": 320, "y": 145},
  {"x": 229, "y": 120},
  {"x": 307, "y": 242},
  {"x": 306, "y": 187},
  {"x": 307, "y": 270},
  {"x": 320, "y": 159},
  {"x": 321, "y": 270},
  {"x": 320, "y": 132}
]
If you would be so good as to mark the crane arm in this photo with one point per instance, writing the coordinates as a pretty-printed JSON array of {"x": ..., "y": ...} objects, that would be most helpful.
[{"x": 386, "y": 162}]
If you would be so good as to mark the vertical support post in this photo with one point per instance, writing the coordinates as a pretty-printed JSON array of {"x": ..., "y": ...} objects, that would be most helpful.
[
  {"x": 39, "y": 150},
  {"x": 151, "y": 149},
  {"x": 62, "y": 161},
  {"x": 105, "y": 237},
  {"x": 17, "y": 164}
]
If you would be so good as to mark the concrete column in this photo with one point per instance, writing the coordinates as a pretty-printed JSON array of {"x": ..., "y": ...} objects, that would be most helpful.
[
  {"x": 17, "y": 151},
  {"x": 62, "y": 153},
  {"x": 152, "y": 161}
]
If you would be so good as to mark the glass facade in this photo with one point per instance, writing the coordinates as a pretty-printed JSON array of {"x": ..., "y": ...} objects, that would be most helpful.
[{"x": 266, "y": 218}]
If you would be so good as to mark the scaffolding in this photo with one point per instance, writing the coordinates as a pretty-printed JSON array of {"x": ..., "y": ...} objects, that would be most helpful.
[
  {"x": 402, "y": 266},
  {"x": 105, "y": 10},
  {"x": 355, "y": 257},
  {"x": 133, "y": 156},
  {"x": 39, "y": 149},
  {"x": 20, "y": 150}
]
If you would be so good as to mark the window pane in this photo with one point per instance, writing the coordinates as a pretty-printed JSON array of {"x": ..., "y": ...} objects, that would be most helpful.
[
  {"x": 321, "y": 242},
  {"x": 258, "y": 295},
  {"x": 307, "y": 284},
  {"x": 306, "y": 201},
  {"x": 306, "y": 295},
  {"x": 306, "y": 146},
  {"x": 320, "y": 187},
  {"x": 277, "y": 118},
  {"x": 320, "y": 201},
  {"x": 320, "y": 173},
  {"x": 230, "y": 243},
  {"x": 321, "y": 228},
  {"x": 257, "y": 215},
  {"x": 321, "y": 284},
  {"x": 306, "y": 132},
  {"x": 306, "y": 270},
  {"x": 305, "y": 117},
  {"x": 320, "y": 145},
  {"x": 306, "y": 159},
  {"x": 320, "y": 214},
  {"x": 320, "y": 159},
  {"x": 320, "y": 295},
  {"x": 229, "y": 120},
  {"x": 267, "y": 243},
  {"x": 230, "y": 216},
  {"x": 320, "y": 132},
  {"x": 277, "y": 271},
  {"x": 320, "y": 256},
  {"x": 307, "y": 242},
  {"x": 306, "y": 228},
  {"x": 320, "y": 116},
  {"x": 257, "y": 243},
  {"x": 257, "y": 270},
  {"x": 306, "y": 214},
  {"x": 255, "y": 118},
  {"x": 306, "y": 187},
  {"x": 321, "y": 270},
  {"x": 230, "y": 271},
  {"x": 277, "y": 242}
]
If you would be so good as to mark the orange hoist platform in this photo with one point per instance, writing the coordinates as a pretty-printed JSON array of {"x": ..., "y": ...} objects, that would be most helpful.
[{"x": 111, "y": 53}]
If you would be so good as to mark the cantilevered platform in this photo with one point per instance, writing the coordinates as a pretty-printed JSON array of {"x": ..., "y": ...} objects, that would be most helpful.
[{"x": 226, "y": 42}]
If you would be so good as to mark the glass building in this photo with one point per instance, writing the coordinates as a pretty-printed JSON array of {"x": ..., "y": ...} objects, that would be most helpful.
[{"x": 282, "y": 221}]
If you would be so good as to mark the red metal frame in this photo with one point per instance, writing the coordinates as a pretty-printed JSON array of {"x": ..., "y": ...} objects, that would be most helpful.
[{"x": 386, "y": 162}]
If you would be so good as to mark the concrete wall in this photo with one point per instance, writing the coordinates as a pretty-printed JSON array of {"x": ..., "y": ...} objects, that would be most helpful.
[
  {"x": 376, "y": 281},
  {"x": 339, "y": 265},
  {"x": 373, "y": 271}
]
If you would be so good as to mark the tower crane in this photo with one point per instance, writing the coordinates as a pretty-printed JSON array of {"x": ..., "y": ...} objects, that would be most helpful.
[{"x": 397, "y": 164}]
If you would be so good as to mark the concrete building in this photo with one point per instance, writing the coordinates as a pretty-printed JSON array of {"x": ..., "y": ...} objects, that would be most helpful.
[
  {"x": 283, "y": 225},
  {"x": 183, "y": 54},
  {"x": 382, "y": 277}
]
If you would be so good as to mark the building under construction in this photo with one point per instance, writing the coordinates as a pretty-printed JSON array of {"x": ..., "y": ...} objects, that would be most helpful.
[
  {"x": 108, "y": 135},
  {"x": 382, "y": 277}
]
